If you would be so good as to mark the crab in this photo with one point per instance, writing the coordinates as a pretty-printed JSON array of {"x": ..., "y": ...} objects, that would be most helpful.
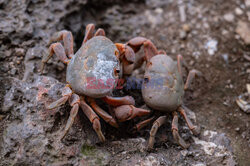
[
  {"x": 166, "y": 95},
  {"x": 92, "y": 73}
]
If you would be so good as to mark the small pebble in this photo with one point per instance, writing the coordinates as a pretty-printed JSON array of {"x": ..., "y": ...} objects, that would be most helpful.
[
  {"x": 243, "y": 29},
  {"x": 237, "y": 129},
  {"x": 1, "y": 117},
  {"x": 247, "y": 3},
  {"x": 191, "y": 63},
  {"x": 186, "y": 28},
  {"x": 224, "y": 32},
  {"x": 7, "y": 53},
  {"x": 183, "y": 34},
  {"x": 211, "y": 46},
  {"x": 238, "y": 11},
  {"x": 13, "y": 71},
  {"x": 248, "y": 15},
  {"x": 225, "y": 57},
  {"x": 19, "y": 52},
  {"x": 229, "y": 17}
]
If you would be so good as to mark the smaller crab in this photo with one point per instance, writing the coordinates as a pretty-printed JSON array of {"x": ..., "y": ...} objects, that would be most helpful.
[
  {"x": 166, "y": 97},
  {"x": 92, "y": 73}
]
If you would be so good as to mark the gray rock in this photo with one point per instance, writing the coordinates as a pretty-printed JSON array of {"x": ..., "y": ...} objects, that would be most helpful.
[
  {"x": 243, "y": 29},
  {"x": 30, "y": 138}
]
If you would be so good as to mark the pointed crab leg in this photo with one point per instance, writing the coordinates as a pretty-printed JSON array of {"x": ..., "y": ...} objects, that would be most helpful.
[
  {"x": 190, "y": 78},
  {"x": 100, "y": 32},
  {"x": 195, "y": 130},
  {"x": 149, "y": 48},
  {"x": 68, "y": 41},
  {"x": 142, "y": 124},
  {"x": 176, "y": 135},
  {"x": 58, "y": 50},
  {"x": 66, "y": 93},
  {"x": 89, "y": 32},
  {"x": 179, "y": 63},
  {"x": 94, "y": 119},
  {"x": 74, "y": 102},
  {"x": 103, "y": 114},
  {"x": 157, "y": 124}
]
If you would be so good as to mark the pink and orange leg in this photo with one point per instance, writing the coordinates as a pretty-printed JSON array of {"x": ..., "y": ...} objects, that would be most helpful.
[
  {"x": 64, "y": 52},
  {"x": 149, "y": 48},
  {"x": 175, "y": 132},
  {"x": 89, "y": 32},
  {"x": 128, "y": 50},
  {"x": 93, "y": 118},
  {"x": 124, "y": 108},
  {"x": 74, "y": 101}
]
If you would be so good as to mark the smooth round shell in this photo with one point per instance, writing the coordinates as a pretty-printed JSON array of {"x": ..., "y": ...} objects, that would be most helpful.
[
  {"x": 163, "y": 88},
  {"x": 92, "y": 69}
]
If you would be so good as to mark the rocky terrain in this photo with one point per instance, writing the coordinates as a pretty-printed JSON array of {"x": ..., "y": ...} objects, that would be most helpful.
[{"x": 213, "y": 37}]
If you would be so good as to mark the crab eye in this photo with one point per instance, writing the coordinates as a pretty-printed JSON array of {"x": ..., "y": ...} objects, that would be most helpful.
[
  {"x": 116, "y": 71},
  {"x": 116, "y": 53},
  {"x": 146, "y": 80}
]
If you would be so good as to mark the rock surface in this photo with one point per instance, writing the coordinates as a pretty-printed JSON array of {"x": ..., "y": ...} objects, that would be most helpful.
[
  {"x": 243, "y": 29},
  {"x": 32, "y": 139}
]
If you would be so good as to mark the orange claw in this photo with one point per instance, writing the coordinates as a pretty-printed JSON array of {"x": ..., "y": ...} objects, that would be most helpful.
[
  {"x": 127, "y": 112},
  {"x": 118, "y": 101}
]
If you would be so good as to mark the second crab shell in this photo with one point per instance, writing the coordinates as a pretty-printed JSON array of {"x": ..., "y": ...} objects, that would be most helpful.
[{"x": 163, "y": 88}]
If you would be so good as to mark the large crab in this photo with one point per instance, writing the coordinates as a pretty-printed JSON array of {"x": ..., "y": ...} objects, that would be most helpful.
[
  {"x": 92, "y": 72},
  {"x": 163, "y": 88}
]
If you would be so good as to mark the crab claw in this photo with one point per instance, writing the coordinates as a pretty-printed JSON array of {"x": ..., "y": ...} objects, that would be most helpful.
[
  {"x": 127, "y": 112},
  {"x": 127, "y": 56}
]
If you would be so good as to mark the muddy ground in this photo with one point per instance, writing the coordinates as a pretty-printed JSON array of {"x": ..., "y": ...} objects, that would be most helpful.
[{"x": 207, "y": 39}]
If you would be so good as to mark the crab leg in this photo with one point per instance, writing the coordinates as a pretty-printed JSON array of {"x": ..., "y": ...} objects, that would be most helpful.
[
  {"x": 176, "y": 135},
  {"x": 118, "y": 101},
  {"x": 179, "y": 63},
  {"x": 195, "y": 130},
  {"x": 89, "y": 31},
  {"x": 157, "y": 124},
  {"x": 100, "y": 32},
  {"x": 66, "y": 93},
  {"x": 103, "y": 114},
  {"x": 57, "y": 49},
  {"x": 127, "y": 112},
  {"x": 74, "y": 102},
  {"x": 190, "y": 78},
  {"x": 94, "y": 119},
  {"x": 149, "y": 48},
  {"x": 68, "y": 41},
  {"x": 142, "y": 124}
]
